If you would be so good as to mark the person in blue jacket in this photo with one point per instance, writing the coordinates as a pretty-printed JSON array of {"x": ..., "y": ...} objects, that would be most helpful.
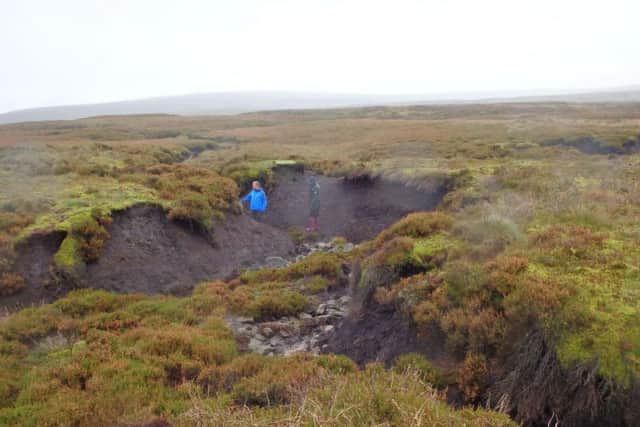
[{"x": 257, "y": 199}]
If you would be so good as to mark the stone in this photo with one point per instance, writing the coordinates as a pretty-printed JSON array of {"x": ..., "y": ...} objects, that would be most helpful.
[
  {"x": 348, "y": 247},
  {"x": 322, "y": 309},
  {"x": 260, "y": 337},
  {"x": 284, "y": 334},
  {"x": 276, "y": 341},
  {"x": 257, "y": 346},
  {"x": 335, "y": 312},
  {"x": 345, "y": 299},
  {"x": 267, "y": 332},
  {"x": 328, "y": 328},
  {"x": 323, "y": 245},
  {"x": 304, "y": 316},
  {"x": 323, "y": 319},
  {"x": 297, "y": 348},
  {"x": 242, "y": 319},
  {"x": 331, "y": 303}
]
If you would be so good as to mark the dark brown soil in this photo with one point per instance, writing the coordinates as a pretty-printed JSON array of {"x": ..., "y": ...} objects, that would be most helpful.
[
  {"x": 150, "y": 254},
  {"x": 32, "y": 263},
  {"x": 379, "y": 333},
  {"x": 357, "y": 209}
]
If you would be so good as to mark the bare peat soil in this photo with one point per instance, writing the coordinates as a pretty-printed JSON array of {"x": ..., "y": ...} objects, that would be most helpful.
[
  {"x": 150, "y": 254},
  {"x": 357, "y": 209}
]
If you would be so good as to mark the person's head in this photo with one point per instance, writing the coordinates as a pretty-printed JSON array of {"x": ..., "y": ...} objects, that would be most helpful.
[{"x": 256, "y": 185}]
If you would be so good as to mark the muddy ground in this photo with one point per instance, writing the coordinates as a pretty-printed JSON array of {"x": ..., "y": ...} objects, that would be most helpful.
[
  {"x": 150, "y": 254},
  {"x": 379, "y": 333},
  {"x": 355, "y": 209},
  {"x": 33, "y": 262}
]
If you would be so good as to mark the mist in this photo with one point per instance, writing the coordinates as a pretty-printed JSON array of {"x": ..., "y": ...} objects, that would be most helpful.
[{"x": 79, "y": 52}]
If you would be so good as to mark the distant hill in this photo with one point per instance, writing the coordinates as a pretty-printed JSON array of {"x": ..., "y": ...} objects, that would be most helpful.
[
  {"x": 203, "y": 104},
  {"x": 241, "y": 102},
  {"x": 630, "y": 94}
]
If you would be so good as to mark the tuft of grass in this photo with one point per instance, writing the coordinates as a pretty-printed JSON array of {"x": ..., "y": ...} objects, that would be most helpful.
[
  {"x": 421, "y": 366},
  {"x": 416, "y": 225}
]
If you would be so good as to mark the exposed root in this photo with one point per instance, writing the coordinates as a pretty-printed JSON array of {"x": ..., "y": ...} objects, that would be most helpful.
[{"x": 539, "y": 391}]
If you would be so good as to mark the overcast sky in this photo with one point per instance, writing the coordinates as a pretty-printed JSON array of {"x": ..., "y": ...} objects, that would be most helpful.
[{"x": 85, "y": 51}]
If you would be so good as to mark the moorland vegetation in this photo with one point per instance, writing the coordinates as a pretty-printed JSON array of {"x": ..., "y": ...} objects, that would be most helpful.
[{"x": 530, "y": 267}]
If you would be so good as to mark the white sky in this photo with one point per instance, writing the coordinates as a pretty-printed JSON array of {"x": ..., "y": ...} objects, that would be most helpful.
[{"x": 82, "y": 51}]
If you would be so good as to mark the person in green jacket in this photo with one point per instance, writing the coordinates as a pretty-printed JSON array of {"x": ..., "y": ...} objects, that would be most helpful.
[{"x": 314, "y": 204}]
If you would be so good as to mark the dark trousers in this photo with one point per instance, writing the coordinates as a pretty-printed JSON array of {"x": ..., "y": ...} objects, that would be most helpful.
[{"x": 257, "y": 215}]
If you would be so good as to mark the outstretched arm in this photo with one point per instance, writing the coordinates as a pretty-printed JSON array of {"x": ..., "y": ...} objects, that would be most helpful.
[{"x": 246, "y": 198}]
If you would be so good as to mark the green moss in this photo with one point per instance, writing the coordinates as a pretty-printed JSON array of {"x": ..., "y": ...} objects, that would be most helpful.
[
  {"x": 433, "y": 249},
  {"x": 406, "y": 255},
  {"x": 76, "y": 203},
  {"x": 602, "y": 324},
  {"x": 598, "y": 322},
  {"x": 68, "y": 256}
]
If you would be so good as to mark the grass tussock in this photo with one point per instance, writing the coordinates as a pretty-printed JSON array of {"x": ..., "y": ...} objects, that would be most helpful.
[
  {"x": 373, "y": 396},
  {"x": 99, "y": 358}
]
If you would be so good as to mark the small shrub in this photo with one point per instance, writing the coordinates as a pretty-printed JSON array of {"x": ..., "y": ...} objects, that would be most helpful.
[
  {"x": 419, "y": 364},
  {"x": 406, "y": 256},
  {"x": 215, "y": 379},
  {"x": 197, "y": 196},
  {"x": 316, "y": 284},
  {"x": 275, "y": 304},
  {"x": 326, "y": 264},
  {"x": 417, "y": 225},
  {"x": 570, "y": 240},
  {"x": 82, "y": 302},
  {"x": 488, "y": 236},
  {"x": 86, "y": 234},
  {"x": 337, "y": 363},
  {"x": 281, "y": 382},
  {"x": 473, "y": 376},
  {"x": 92, "y": 234},
  {"x": 11, "y": 283}
]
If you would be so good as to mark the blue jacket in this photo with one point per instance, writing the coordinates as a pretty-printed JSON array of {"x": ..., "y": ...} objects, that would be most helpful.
[{"x": 257, "y": 200}]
